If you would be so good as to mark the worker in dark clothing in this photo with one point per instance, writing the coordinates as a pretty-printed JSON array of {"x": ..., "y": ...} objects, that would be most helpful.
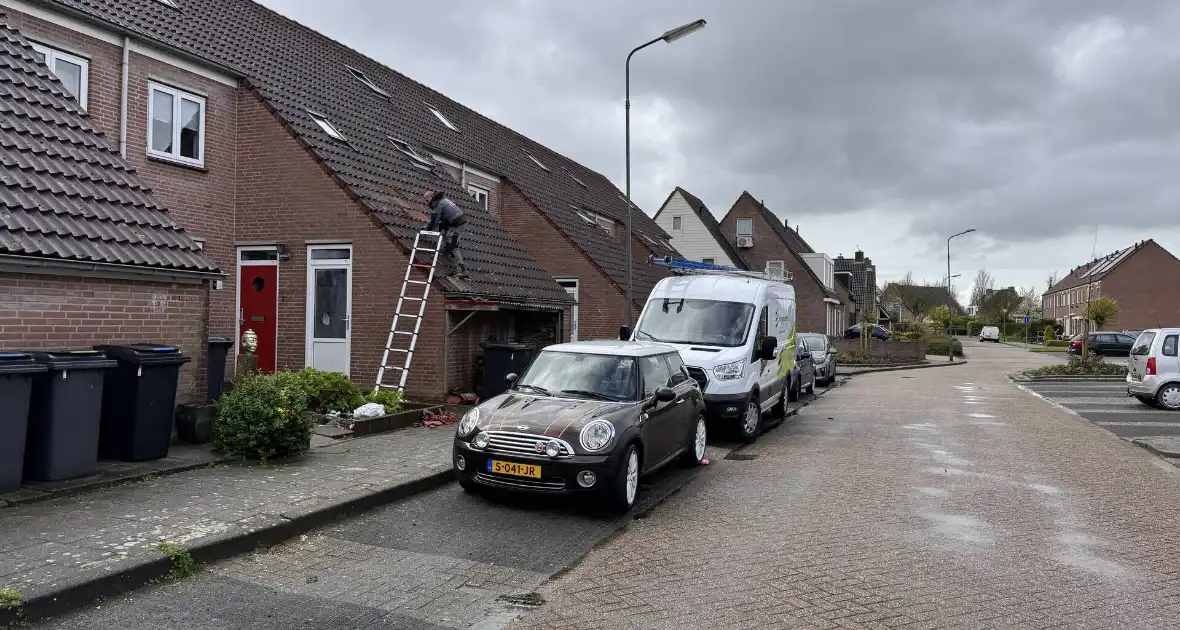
[{"x": 448, "y": 218}]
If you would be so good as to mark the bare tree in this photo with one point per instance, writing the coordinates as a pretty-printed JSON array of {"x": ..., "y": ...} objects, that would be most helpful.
[
  {"x": 1051, "y": 281},
  {"x": 983, "y": 283}
]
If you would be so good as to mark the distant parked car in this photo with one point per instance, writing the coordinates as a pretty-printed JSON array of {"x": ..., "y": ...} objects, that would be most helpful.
[
  {"x": 879, "y": 332},
  {"x": 585, "y": 418},
  {"x": 1104, "y": 344},
  {"x": 823, "y": 354},
  {"x": 989, "y": 333},
  {"x": 1153, "y": 371},
  {"x": 803, "y": 374}
]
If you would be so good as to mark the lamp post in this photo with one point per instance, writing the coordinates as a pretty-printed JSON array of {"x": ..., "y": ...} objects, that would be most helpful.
[
  {"x": 950, "y": 353},
  {"x": 669, "y": 37}
]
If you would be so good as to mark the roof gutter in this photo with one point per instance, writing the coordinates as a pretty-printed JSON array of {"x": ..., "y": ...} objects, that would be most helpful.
[
  {"x": 32, "y": 264},
  {"x": 83, "y": 16}
]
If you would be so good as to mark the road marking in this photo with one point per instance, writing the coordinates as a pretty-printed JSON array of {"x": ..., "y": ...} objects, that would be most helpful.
[
  {"x": 1127, "y": 412},
  {"x": 1137, "y": 424}
]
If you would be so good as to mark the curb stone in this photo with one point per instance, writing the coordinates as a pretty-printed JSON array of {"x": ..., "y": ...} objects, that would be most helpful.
[
  {"x": 921, "y": 366},
  {"x": 24, "y": 496},
  {"x": 131, "y": 574},
  {"x": 1065, "y": 378},
  {"x": 1168, "y": 447}
]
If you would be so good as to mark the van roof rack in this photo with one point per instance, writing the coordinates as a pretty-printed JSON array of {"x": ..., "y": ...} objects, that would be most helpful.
[{"x": 681, "y": 266}]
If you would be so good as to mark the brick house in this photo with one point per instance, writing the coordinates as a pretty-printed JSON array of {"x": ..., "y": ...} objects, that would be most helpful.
[
  {"x": 861, "y": 276},
  {"x": 297, "y": 164},
  {"x": 1141, "y": 278},
  {"x": 765, "y": 243},
  {"x": 87, "y": 253},
  {"x": 696, "y": 234}
]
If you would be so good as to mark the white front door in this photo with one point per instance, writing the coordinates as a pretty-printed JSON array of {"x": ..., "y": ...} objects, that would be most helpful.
[
  {"x": 571, "y": 287},
  {"x": 329, "y": 307}
]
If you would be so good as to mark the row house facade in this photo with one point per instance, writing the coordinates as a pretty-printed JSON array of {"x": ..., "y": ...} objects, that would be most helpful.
[
  {"x": 1141, "y": 278},
  {"x": 297, "y": 167}
]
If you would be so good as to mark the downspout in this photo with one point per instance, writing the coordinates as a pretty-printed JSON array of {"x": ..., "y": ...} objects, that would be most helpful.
[
  {"x": 123, "y": 98},
  {"x": 463, "y": 176}
]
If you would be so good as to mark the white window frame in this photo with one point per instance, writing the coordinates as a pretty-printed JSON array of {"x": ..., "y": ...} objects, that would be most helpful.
[
  {"x": 309, "y": 307},
  {"x": 364, "y": 78},
  {"x": 53, "y": 54},
  {"x": 242, "y": 262},
  {"x": 571, "y": 287},
  {"x": 177, "y": 124},
  {"x": 480, "y": 193},
  {"x": 776, "y": 267},
  {"x": 738, "y": 227},
  {"x": 326, "y": 126},
  {"x": 441, "y": 117},
  {"x": 677, "y": 223},
  {"x": 417, "y": 159}
]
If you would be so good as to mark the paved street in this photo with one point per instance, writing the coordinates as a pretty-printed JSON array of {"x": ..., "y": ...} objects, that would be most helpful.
[
  {"x": 1108, "y": 406},
  {"x": 936, "y": 498}
]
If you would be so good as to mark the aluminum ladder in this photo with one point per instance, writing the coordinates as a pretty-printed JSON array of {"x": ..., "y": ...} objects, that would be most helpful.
[{"x": 396, "y": 334}]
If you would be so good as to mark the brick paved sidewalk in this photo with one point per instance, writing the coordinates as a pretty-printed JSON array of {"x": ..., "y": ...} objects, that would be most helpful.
[
  {"x": 946, "y": 500},
  {"x": 76, "y": 548}
]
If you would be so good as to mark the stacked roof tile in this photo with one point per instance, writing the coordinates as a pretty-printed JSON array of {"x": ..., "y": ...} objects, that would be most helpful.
[
  {"x": 65, "y": 193},
  {"x": 297, "y": 70}
]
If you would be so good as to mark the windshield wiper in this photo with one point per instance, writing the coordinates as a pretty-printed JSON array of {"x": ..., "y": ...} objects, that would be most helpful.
[
  {"x": 648, "y": 335},
  {"x": 540, "y": 390},
  {"x": 589, "y": 394}
]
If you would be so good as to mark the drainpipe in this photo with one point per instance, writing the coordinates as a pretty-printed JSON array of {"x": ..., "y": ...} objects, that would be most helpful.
[
  {"x": 463, "y": 177},
  {"x": 123, "y": 98}
]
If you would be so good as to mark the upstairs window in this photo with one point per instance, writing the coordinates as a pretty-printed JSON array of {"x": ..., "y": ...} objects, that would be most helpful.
[
  {"x": 480, "y": 194},
  {"x": 177, "y": 129},
  {"x": 709, "y": 261},
  {"x": 364, "y": 78},
  {"x": 327, "y": 126},
  {"x": 745, "y": 227},
  {"x": 419, "y": 160},
  {"x": 774, "y": 267},
  {"x": 677, "y": 224},
  {"x": 71, "y": 70},
  {"x": 441, "y": 118}
]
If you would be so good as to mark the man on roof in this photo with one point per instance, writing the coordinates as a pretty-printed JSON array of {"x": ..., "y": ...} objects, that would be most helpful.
[{"x": 448, "y": 218}]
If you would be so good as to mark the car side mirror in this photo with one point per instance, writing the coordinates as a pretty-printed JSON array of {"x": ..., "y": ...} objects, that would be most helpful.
[
  {"x": 832, "y": 351},
  {"x": 511, "y": 378},
  {"x": 766, "y": 350},
  {"x": 624, "y": 333},
  {"x": 665, "y": 394},
  {"x": 804, "y": 355}
]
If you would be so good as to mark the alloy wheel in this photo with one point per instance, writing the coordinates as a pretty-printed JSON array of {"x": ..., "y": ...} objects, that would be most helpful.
[
  {"x": 698, "y": 444},
  {"x": 632, "y": 477},
  {"x": 751, "y": 424}
]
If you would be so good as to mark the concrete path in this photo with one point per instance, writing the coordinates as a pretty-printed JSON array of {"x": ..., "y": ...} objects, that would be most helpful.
[{"x": 933, "y": 499}]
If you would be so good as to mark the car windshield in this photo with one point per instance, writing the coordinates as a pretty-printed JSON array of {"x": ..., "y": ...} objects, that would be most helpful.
[
  {"x": 817, "y": 343},
  {"x": 1142, "y": 345},
  {"x": 695, "y": 321},
  {"x": 580, "y": 375}
]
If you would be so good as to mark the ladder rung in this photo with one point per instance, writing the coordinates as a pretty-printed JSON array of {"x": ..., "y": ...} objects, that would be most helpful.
[
  {"x": 394, "y": 367},
  {"x": 403, "y": 332},
  {"x": 396, "y": 350},
  {"x": 417, "y": 282},
  {"x": 406, "y": 297},
  {"x": 421, "y": 265}
]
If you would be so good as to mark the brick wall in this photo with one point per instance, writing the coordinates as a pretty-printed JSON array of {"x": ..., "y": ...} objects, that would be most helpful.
[
  {"x": 57, "y": 312},
  {"x": 284, "y": 195},
  {"x": 896, "y": 351},
  {"x": 536, "y": 327},
  {"x": 810, "y": 310},
  {"x": 200, "y": 200},
  {"x": 600, "y": 302},
  {"x": 1145, "y": 287}
]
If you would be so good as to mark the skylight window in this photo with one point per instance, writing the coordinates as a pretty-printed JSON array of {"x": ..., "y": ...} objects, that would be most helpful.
[
  {"x": 443, "y": 119},
  {"x": 572, "y": 176},
  {"x": 658, "y": 242},
  {"x": 538, "y": 162},
  {"x": 170, "y": 3},
  {"x": 606, "y": 223},
  {"x": 364, "y": 78},
  {"x": 419, "y": 160},
  {"x": 327, "y": 126}
]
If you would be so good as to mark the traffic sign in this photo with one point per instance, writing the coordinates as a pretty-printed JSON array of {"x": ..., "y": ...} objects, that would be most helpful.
[{"x": 1026, "y": 319}]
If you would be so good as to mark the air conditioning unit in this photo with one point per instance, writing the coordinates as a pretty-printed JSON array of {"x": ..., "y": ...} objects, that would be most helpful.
[{"x": 745, "y": 242}]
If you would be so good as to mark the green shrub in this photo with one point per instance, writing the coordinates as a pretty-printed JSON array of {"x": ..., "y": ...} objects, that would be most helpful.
[
  {"x": 907, "y": 336},
  {"x": 329, "y": 391},
  {"x": 264, "y": 417},
  {"x": 1057, "y": 343},
  {"x": 1050, "y": 334},
  {"x": 1078, "y": 366},
  {"x": 938, "y": 346},
  {"x": 391, "y": 399}
]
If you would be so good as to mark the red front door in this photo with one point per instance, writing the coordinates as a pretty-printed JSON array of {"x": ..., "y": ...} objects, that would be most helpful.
[{"x": 259, "y": 306}]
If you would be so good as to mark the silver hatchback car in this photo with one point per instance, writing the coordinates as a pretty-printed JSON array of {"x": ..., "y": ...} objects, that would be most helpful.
[{"x": 1153, "y": 368}]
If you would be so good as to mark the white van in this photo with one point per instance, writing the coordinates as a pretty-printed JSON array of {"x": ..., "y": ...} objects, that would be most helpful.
[
  {"x": 736, "y": 335},
  {"x": 989, "y": 333},
  {"x": 1153, "y": 368}
]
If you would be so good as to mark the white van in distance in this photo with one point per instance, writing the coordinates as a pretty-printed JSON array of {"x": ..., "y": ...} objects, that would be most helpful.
[{"x": 736, "y": 335}]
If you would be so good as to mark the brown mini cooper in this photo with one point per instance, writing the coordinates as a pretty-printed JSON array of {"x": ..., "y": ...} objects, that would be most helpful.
[{"x": 585, "y": 417}]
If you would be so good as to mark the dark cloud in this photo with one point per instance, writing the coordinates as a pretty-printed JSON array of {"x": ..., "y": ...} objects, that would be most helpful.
[{"x": 1029, "y": 120}]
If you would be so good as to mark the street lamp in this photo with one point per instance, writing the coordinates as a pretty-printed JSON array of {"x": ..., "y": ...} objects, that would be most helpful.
[
  {"x": 950, "y": 353},
  {"x": 669, "y": 37}
]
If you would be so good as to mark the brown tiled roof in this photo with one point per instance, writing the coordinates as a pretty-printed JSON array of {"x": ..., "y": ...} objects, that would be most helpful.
[
  {"x": 711, "y": 224},
  {"x": 65, "y": 192},
  {"x": 296, "y": 69},
  {"x": 790, "y": 240},
  {"x": 1096, "y": 269}
]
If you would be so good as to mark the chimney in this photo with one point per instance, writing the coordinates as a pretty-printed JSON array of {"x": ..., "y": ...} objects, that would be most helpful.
[
  {"x": 786, "y": 223},
  {"x": 860, "y": 256}
]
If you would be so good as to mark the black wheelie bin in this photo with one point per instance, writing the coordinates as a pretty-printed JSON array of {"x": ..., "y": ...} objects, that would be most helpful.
[
  {"x": 139, "y": 401},
  {"x": 62, "y": 442},
  {"x": 17, "y": 370}
]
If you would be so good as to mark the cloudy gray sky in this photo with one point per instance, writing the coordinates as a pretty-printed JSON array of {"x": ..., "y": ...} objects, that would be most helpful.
[{"x": 1050, "y": 126}]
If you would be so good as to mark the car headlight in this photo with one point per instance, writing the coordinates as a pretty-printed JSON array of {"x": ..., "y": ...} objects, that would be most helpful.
[
  {"x": 469, "y": 422},
  {"x": 597, "y": 435},
  {"x": 729, "y": 371}
]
